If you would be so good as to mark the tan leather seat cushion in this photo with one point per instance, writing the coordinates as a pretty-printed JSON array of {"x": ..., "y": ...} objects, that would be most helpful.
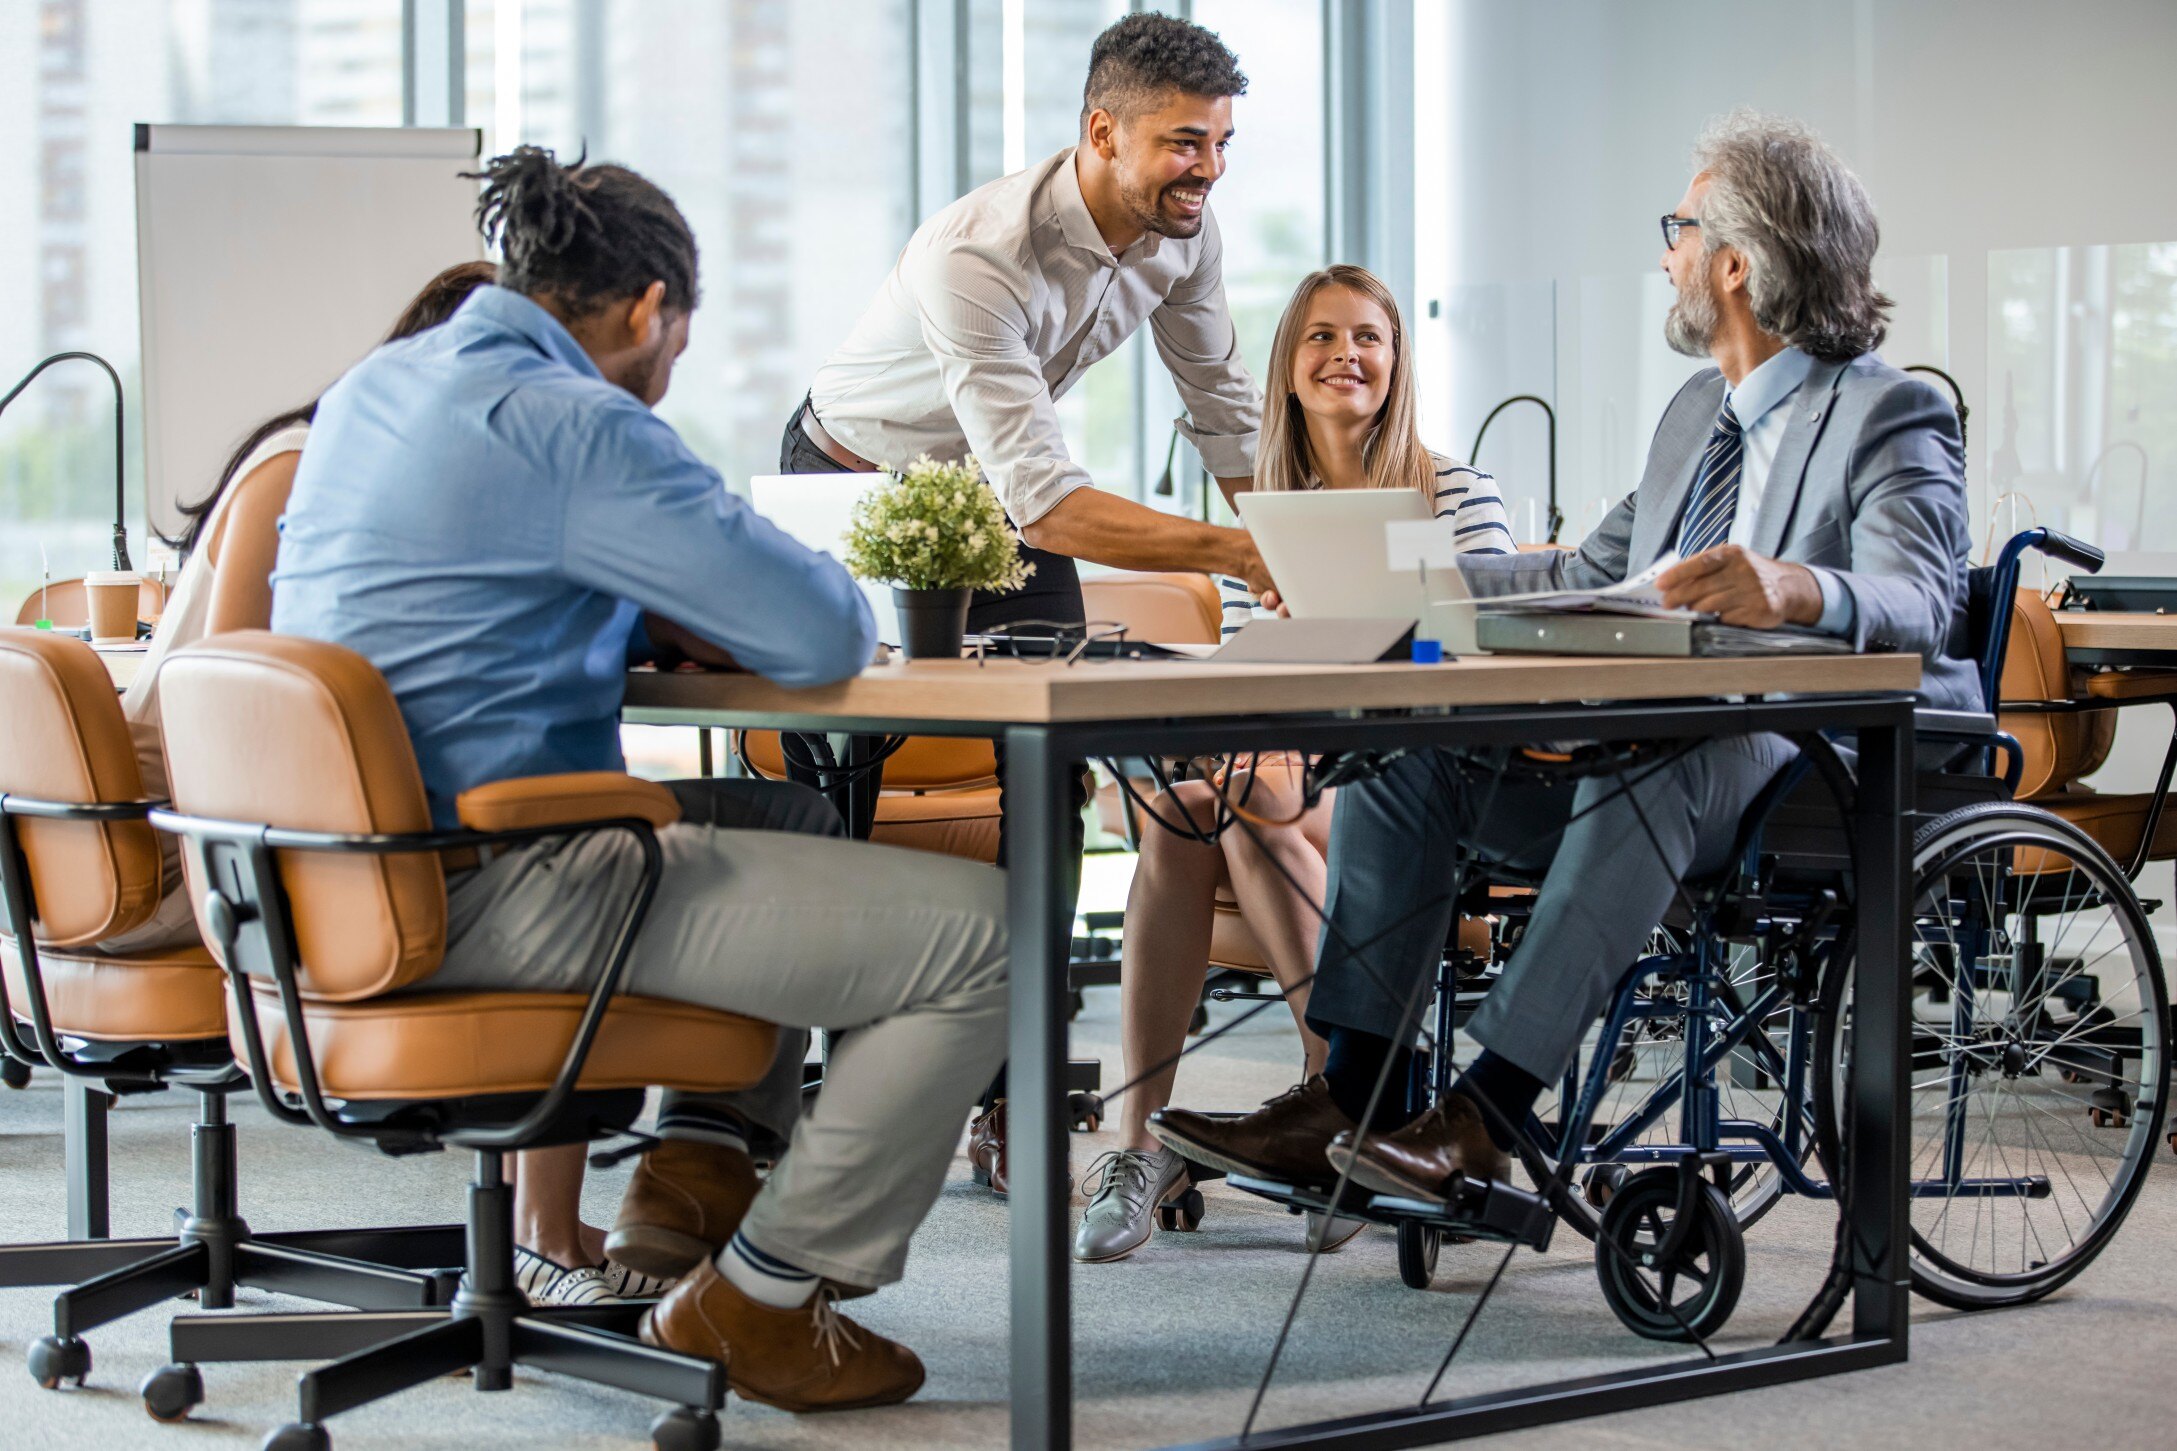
[
  {"x": 2116, "y": 822},
  {"x": 457, "y": 1045},
  {"x": 922, "y": 763},
  {"x": 956, "y": 823},
  {"x": 163, "y": 997},
  {"x": 1232, "y": 943},
  {"x": 2058, "y": 749}
]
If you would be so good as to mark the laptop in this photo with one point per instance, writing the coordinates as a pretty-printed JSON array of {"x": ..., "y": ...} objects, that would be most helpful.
[
  {"x": 1327, "y": 549},
  {"x": 817, "y": 510}
]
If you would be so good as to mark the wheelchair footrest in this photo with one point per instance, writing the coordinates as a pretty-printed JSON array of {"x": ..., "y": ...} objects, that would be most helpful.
[{"x": 1476, "y": 1209}]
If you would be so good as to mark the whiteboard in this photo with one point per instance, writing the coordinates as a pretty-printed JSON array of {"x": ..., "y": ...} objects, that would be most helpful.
[{"x": 268, "y": 260}]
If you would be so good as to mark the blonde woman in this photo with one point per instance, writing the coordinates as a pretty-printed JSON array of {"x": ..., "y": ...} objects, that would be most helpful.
[{"x": 1339, "y": 413}]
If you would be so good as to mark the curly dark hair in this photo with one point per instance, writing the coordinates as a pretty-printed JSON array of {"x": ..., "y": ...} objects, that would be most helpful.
[
  {"x": 583, "y": 234},
  {"x": 1145, "y": 56}
]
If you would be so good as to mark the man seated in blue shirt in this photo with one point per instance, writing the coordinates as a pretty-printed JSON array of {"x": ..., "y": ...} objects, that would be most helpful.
[{"x": 485, "y": 512}]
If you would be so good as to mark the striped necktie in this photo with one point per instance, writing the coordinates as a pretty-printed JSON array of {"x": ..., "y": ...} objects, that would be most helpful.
[{"x": 1715, "y": 498}]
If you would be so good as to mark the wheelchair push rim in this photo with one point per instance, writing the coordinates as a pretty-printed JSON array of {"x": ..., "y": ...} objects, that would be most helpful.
[{"x": 2039, "y": 1054}]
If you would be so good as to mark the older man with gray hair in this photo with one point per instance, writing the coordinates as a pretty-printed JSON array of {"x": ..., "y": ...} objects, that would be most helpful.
[{"x": 1801, "y": 481}]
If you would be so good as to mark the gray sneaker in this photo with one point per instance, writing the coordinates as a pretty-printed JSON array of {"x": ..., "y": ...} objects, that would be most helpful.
[{"x": 1126, "y": 1186}]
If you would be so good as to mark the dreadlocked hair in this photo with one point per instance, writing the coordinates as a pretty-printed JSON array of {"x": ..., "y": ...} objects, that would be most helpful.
[{"x": 583, "y": 235}]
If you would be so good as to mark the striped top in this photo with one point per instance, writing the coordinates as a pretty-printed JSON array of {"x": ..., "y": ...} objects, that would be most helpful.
[{"x": 1466, "y": 495}]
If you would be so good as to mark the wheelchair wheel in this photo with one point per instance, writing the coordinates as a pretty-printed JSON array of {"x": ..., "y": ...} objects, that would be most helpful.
[
  {"x": 1691, "y": 1293},
  {"x": 1418, "y": 1245},
  {"x": 2037, "y": 1002}
]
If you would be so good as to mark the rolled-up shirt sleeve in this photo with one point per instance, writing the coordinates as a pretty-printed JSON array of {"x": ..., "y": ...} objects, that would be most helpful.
[
  {"x": 653, "y": 524},
  {"x": 974, "y": 321},
  {"x": 1195, "y": 337}
]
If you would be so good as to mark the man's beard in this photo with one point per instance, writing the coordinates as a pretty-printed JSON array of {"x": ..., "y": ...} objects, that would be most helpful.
[
  {"x": 1148, "y": 210},
  {"x": 1691, "y": 324}
]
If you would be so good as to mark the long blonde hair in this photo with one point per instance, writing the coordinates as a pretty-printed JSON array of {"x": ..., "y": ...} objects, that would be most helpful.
[{"x": 1394, "y": 453}]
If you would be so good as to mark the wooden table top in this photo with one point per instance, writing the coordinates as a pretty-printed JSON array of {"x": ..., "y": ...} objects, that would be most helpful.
[
  {"x": 1046, "y": 693},
  {"x": 2111, "y": 630}
]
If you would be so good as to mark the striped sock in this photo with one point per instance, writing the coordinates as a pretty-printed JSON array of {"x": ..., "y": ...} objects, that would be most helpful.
[
  {"x": 764, "y": 1278},
  {"x": 703, "y": 1123}
]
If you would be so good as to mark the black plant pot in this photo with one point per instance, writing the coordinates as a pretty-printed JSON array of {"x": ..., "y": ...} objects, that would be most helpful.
[{"x": 932, "y": 621}]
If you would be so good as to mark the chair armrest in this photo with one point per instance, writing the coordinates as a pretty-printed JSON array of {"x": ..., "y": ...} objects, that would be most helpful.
[
  {"x": 565, "y": 800},
  {"x": 2132, "y": 685},
  {"x": 1967, "y": 724}
]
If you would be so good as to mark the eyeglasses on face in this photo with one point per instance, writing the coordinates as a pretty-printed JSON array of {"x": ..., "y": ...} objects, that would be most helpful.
[{"x": 1672, "y": 226}]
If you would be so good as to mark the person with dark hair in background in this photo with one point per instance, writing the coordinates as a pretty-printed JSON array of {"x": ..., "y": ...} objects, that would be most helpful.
[
  {"x": 226, "y": 581},
  {"x": 1000, "y": 302},
  {"x": 486, "y": 513}
]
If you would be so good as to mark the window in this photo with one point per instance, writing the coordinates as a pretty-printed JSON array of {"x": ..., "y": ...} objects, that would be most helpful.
[
  {"x": 75, "y": 76},
  {"x": 799, "y": 210}
]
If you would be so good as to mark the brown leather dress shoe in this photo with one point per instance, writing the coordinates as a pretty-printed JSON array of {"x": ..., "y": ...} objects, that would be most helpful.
[
  {"x": 1421, "y": 1160},
  {"x": 1284, "y": 1139},
  {"x": 986, "y": 1148},
  {"x": 683, "y": 1204},
  {"x": 810, "y": 1358}
]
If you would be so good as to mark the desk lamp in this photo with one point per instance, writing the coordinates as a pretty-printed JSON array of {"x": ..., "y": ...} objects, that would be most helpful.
[
  {"x": 1473, "y": 455},
  {"x": 120, "y": 459}
]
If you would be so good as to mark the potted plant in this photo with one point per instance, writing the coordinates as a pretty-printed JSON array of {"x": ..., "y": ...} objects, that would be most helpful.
[{"x": 936, "y": 533}]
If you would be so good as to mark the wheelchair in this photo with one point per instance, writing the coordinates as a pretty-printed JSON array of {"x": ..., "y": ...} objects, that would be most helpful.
[{"x": 1717, "y": 1080}]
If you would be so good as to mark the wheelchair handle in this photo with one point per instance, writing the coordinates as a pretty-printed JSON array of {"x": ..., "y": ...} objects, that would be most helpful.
[{"x": 2058, "y": 545}]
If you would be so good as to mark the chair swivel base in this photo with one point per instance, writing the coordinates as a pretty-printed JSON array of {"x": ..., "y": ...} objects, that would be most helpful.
[
  {"x": 489, "y": 1328},
  {"x": 211, "y": 1252},
  {"x": 375, "y": 1355}
]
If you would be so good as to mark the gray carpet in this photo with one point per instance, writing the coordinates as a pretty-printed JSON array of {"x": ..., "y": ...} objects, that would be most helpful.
[{"x": 1170, "y": 1344}]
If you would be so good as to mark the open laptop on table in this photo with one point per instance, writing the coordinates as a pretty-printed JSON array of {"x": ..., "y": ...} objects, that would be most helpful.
[
  {"x": 817, "y": 510},
  {"x": 1328, "y": 551}
]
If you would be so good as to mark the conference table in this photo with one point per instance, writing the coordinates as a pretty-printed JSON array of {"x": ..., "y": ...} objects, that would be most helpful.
[{"x": 1052, "y": 716}]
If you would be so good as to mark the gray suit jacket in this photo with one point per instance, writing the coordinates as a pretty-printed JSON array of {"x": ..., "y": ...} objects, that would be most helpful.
[{"x": 1869, "y": 484}]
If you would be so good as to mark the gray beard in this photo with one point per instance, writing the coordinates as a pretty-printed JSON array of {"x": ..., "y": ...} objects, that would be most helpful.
[{"x": 1690, "y": 325}]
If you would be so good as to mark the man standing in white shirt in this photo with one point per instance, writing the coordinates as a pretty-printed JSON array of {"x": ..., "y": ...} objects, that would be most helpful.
[{"x": 1001, "y": 301}]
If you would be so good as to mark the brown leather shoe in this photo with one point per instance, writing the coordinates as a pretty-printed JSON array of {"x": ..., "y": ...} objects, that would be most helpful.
[
  {"x": 1421, "y": 1160},
  {"x": 1284, "y": 1139},
  {"x": 683, "y": 1204},
  {"x": 811, "y": 1358},
  {"x": 986, "y": 1148}
]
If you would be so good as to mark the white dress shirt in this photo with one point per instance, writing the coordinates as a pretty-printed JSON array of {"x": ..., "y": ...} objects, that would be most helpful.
[
  {"x": 1758, "y": 404},
  {"x": 997, "y": 306}
]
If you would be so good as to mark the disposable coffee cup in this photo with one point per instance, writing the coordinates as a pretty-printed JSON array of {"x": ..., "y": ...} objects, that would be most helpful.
[{"x": 111, "y": 595}]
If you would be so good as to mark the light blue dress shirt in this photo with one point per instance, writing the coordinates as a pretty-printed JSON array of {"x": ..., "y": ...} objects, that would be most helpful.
[
  {"x": 1757, "y": 403},
  {"x": 484, "y": 518}
]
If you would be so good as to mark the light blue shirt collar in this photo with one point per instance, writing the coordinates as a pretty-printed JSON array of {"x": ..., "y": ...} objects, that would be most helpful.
[
  {"x": 1768, "y": 385},
  {"x": 517, "y": 314}
]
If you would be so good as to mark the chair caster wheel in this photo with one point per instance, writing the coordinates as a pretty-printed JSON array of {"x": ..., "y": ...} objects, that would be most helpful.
[
  {"x": 55, "y": 1359},
  {"x": 1199, "y": 1023},
  {"x": 2109, "y": 1108},
  {"x": 1181, "y": 1212},
  {"x": 172, "y": 1391},
  {"x": 1086, "y": 1110},
  {"x": 299, "y": 1436},
  {"x": 1418, "y": 1245},
  {"x": 685, "y": 1428},
  {"x": 14, "y": 1074},
  {"x": 1689, "y": 1295},
  {"x": 1602, "y": 1184}
]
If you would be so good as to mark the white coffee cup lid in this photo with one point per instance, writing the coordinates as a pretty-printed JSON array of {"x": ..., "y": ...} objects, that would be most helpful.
[{"x": 111, "y": 576}]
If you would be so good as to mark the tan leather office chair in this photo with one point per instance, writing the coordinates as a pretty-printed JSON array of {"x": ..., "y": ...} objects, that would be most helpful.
[
  {"x": 2054, "y": 710},
  {"x": 321, "y": 888},
  {"x": 63, "y": 603},
  {"x": 78, "y": 865},
  {"x": 939, "y": 794}
]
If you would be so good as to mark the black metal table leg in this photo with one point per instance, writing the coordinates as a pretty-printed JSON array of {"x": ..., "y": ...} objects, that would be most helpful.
[
  {"x": 1880, "y": 1109},
  {"x": 1042, "y": 1331},
  {"x": 83, "y": 1150}
]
